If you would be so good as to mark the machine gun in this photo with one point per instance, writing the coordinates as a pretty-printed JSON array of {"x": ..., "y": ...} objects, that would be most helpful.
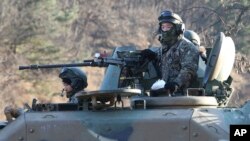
[
  {"x": 126, "y": 67},
  {"x": 125, "y": 59}
]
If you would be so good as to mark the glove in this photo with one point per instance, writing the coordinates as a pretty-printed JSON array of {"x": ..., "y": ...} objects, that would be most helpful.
[
  {"x": 158, "y": 92},
  {"x": 171, "y": 86},
  {"x": 149, "y": 54}
]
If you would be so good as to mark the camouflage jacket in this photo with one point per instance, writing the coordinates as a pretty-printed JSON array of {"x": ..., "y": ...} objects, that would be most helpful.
[
  {"x": 179, "y": 63},
  {"x": 73, "y": 98}
]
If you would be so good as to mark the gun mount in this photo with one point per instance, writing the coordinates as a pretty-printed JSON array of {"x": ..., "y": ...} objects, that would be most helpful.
[{"x": 122, "y": 109}]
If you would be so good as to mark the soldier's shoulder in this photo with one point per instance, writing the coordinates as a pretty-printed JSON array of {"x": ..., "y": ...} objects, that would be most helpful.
[
  {"x": 186, "y": 42},
  {"x": 187, "y": 45}
]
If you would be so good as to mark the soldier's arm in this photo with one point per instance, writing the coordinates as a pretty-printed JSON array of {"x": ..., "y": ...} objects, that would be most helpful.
[{"x": 189, "y": 65}]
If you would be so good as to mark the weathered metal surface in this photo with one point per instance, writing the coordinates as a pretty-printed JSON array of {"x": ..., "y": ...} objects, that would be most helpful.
[{"x": 190, "y": 124}]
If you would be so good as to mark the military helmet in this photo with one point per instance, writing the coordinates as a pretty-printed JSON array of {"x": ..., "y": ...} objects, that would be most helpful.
[
  {"x": 75, "y": 77},
  {"x": 193, "y": 37},
  {"x": 169, "y": 16}
]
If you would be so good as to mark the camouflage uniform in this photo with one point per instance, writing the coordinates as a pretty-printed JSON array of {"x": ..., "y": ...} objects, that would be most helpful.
[
  {"x": 179, "y": 63},
  {"x": 74, "y": 99},
  {"x": 178, "y": 56}
]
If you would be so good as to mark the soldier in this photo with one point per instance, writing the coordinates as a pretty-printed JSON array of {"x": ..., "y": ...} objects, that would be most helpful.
[
  {"x": 195, "y": 39},
  {"x": 178, "y": 57},
  {"x": 74, "y": 81}
]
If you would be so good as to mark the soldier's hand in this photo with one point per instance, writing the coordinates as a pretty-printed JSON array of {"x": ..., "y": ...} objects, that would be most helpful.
[
  {"x": 158, "y": 92},
  {"x": 149, "y": 54},
  {"x": 171, "y": 86}
]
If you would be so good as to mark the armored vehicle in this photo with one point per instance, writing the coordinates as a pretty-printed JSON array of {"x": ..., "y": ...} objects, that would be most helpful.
[{"x": 123, "y": 109}]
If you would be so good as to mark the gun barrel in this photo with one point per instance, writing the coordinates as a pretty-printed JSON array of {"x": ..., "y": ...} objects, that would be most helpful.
[
  {"x": 57, "y": 65},
  {"x": 98, "y": 62}
]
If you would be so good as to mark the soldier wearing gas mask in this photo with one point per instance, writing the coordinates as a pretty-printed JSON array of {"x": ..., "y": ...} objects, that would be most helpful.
[{"x": 178, "y": 58}]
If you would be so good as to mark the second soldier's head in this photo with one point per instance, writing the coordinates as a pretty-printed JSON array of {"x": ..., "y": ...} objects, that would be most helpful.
[
  {"x": 193, "y": 37},
  {"x": 74, "y": 80}
]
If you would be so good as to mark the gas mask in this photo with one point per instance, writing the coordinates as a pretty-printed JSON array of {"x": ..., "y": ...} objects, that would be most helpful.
[{"x": 168, "y": 37}]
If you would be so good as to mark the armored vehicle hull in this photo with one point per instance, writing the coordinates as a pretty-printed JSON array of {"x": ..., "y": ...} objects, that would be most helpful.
[{"x": 172, "y": 124}]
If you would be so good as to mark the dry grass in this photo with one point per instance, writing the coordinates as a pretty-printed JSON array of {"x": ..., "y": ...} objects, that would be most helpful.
[{"x": 241, "y": 89}]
